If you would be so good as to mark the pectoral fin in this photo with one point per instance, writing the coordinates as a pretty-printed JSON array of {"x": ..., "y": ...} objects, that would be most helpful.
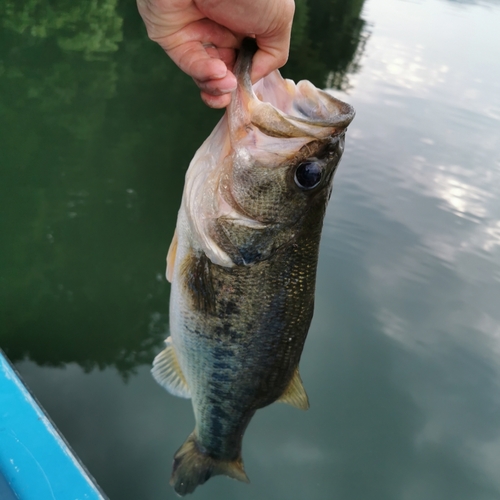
[
  {"x": 295, "y": 394},
  {"x": 172, "y": 251},
  {"x": 168, "y": 373}
]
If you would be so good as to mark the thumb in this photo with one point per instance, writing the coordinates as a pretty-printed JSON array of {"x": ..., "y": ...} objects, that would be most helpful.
[{"x": 273, "y": 47}]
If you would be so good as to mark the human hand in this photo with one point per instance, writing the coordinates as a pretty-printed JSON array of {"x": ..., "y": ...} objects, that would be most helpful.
[{"x": 201, "y": 37}]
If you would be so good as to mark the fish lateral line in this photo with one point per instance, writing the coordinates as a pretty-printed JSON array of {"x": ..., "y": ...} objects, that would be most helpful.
[{"x": 243, "y": 263}]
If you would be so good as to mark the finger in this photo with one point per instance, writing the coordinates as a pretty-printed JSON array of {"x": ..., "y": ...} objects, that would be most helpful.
[
  {"x": 216, "y": 102},
  {"x": 219, "y": 86},
  {"x": 265, "y": 62},
  {"x": 269, "y": 58},
  {"x": 187, "y": 49},
  {"x": 201, "y": 30},
  {"x": 228, "y": 56},
  {"x": 199, "y": 56},
  {"x": 194, "y": 60},
  {"x": 274, "y": 46}
]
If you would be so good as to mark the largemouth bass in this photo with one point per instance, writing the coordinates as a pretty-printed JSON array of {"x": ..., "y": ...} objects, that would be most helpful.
[{"x": 242, "y": 263}]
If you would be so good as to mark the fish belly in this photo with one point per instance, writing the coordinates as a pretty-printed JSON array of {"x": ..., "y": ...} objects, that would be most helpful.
[{"x": 238, "y": 333}]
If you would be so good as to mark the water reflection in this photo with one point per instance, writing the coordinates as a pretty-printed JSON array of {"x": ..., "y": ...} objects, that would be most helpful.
[
  {"x": 98, "y": 129},
  {"x": 86, "y": 232},
  {"x": 401, "y": 364},
  {"x": 93, "y": 28},
  {"x": 413, "y": 407},
  {"x": 328, "y": 39}
]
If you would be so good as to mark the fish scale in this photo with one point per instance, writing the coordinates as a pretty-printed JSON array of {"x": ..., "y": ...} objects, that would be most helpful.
[{"x": 243, "y": 264}]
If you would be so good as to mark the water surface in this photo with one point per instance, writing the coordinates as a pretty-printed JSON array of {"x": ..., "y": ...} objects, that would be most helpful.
[{"x": 402, "y": 361}]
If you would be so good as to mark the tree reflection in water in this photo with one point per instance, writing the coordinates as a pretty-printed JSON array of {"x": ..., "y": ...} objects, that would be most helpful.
[{"x": 98, "y": 127}]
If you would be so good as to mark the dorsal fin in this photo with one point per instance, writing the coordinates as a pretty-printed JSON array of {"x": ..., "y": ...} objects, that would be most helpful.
[
  {"x": 295, "y": 394},
  {"x": 168, "y": 373},
  {"x": 172, "y": 251}
]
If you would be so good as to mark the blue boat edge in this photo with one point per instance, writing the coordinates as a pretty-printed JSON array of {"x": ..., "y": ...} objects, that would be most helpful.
[{"x": 36, "y": 461}]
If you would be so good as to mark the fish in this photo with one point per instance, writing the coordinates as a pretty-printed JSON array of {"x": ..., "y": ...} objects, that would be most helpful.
[{"x": 242, "y": 263}]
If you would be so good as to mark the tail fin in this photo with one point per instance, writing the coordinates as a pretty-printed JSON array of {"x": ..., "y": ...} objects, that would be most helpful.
[{"x": 192, "y": 467}]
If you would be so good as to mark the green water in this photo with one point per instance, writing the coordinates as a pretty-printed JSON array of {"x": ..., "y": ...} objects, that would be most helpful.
[{"x": 402, "y": 363}]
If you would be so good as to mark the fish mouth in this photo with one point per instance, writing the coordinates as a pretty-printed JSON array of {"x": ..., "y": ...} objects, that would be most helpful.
[
  {"x": 267, "y": 128},
  {"x": 282, "y": 109}
]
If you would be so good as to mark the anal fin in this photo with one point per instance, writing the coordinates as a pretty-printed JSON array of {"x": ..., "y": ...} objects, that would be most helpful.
[
  {"x": 295, "y": 394},
  {"x": 167, "y": 372}
]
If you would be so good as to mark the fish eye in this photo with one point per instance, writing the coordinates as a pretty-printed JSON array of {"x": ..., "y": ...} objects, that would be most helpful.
[{"x": 308, "y": 175}]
